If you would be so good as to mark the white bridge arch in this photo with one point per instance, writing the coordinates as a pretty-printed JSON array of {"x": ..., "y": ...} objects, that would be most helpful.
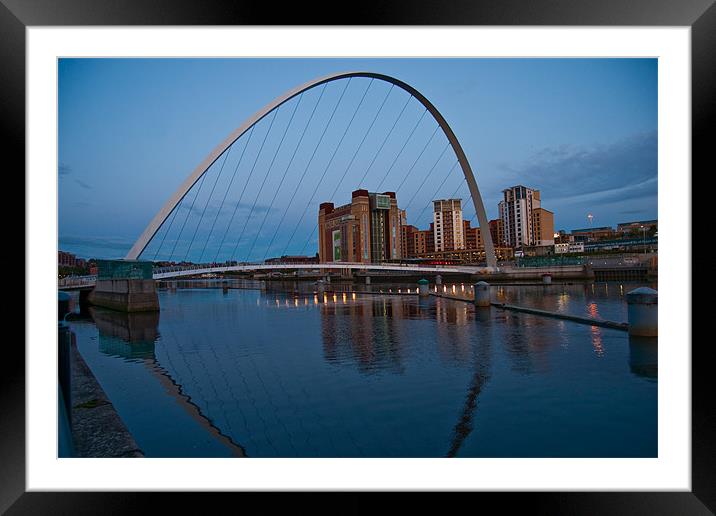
[{"x": 200, "y": 170}]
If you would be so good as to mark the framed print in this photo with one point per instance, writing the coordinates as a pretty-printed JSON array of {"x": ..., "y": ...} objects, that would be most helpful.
[{"x": 417, "y": 253}]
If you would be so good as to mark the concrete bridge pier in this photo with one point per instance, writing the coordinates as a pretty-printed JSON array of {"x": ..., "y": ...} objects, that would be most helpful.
[
  {"x": 126, "y": 286},
  {"x": 438, "y": 280},
  {"x": 84, "y": 300}
]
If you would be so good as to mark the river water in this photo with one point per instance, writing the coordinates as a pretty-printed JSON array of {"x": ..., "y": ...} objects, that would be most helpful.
[{"x": 274, "y": 370}]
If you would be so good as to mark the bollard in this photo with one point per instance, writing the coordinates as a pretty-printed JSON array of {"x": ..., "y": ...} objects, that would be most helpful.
[
  {"x": 546, "y": 279},
  {"x": 367, "y": 280},
  {"x": 423, "y": 288},
  {"x": 482, "y": 294},
  {"x": 438, "y": 280},
  {"x": 643, "y": 313}
]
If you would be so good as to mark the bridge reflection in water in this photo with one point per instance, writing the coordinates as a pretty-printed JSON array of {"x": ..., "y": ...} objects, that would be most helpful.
[
  {"x": 271, "y": 373},
  {"x": 132, "y": 336}
]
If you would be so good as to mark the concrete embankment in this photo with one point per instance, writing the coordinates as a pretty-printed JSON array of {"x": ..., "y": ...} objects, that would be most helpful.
[
  {"x": 97, "y": 429},
  {"x": 546, "y": 313},
  {"x": 536, "y": 274}
]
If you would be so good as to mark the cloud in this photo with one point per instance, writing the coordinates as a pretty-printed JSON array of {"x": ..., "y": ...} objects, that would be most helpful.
[
  {"x": 113, "y": 243},
  {"x": 83, "y": 184},
  {"x": 620, "y": 171},
  {"x": 227, "y": 209}
]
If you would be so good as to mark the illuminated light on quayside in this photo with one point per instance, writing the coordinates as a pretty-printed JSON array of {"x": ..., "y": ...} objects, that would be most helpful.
[
  {"x": 621, "y": 290},
  {"x": 453, "y": 289},
  {"x": 315, "y": 300},
  {"x": 436, "y": 289},
  {"x": 295, "y": 301},
  {"x": 335, "y": 298},
  {"x": 344, "y": 298},
  {"x": 353, "y": 296},
  {"x": 398, "y": 291},
  {"x": 462, "y": 287},
  {"x": 325, "y": 298}
]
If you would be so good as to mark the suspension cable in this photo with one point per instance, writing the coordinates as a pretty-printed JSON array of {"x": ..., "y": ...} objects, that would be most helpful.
[
  {"x": 278, "y": 149},
  {"x": 208, "y": 199},
  {"x": 427, "y": 175},
  {"x": 385, "y": 140},
  {"x": 169, "y": 228},
  {"x": 416, "y": 159},
  {"x": 226, "y": 231},
  {"x": 261, "y": 148},
  {"x": 367, "y": 132},
  {"x": 201, "y": 183},
  {"x": 309, "y": 164},
  {"x": 289, "y": 166},
  {"x": 226, "y": 192},
  {"x": 331, "y": 160},
  {"x": 402, "y": 148},
  {"x": 437, "y": 190},
  {"x": 356, "y": 152}
]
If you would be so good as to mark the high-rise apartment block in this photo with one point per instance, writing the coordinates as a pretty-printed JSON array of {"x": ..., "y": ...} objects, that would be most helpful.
[
  {"x": 448, "y": 227},
  {"x": 368, "y": 230},
  {"x": 524, "y": 221}
]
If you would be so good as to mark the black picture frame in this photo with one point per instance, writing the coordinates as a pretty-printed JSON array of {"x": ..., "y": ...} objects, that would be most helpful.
[{"x": 700, "y": 15}]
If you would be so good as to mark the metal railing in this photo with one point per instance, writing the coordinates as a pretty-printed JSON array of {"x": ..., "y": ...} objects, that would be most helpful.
[{"x": 77, "y": 281}]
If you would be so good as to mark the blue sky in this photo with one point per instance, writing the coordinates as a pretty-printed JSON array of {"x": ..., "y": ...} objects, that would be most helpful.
[{"x": 583, "y": 131}]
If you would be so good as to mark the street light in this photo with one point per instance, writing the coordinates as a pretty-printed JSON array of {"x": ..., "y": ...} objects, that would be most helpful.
[{"x": 643, "y": 241}]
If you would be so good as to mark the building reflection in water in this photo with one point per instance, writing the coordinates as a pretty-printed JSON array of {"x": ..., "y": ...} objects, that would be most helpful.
[
  {"x": 596, "y": 331},
  {"x": 372, "y": 385},
  {"x": 482, "y": 360},
  {"x": 452, "y": 335},
  {"x": 366, "y": 332},
  {"x": 372, "y": 337},
  {"x": 644, "y": 357},
  {"x": 132, "y": 337}
]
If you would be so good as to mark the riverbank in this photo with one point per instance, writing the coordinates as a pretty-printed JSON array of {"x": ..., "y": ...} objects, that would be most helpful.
[{"x": 97, "y": 429}]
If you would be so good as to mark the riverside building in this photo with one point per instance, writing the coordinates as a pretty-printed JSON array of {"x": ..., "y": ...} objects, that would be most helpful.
[
  {"x": 368, "y": 230},
  {"x": 448, "y": 226},
  {"x": 524, "y": 221}
]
